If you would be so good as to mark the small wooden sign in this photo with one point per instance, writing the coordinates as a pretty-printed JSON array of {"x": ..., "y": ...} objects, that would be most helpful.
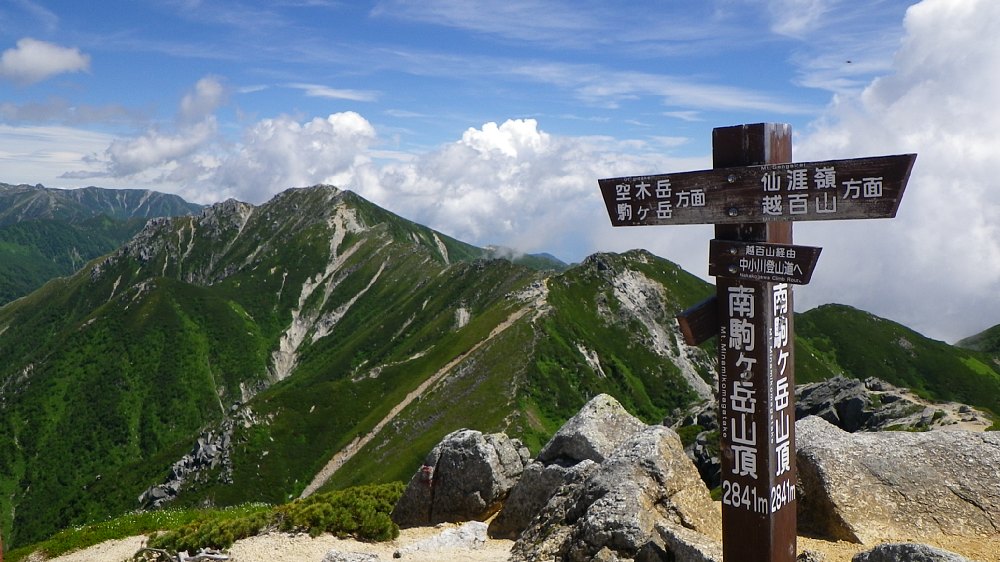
[
  {"x": 860, "y": 188},
  {"x": 760, "y": 261},
  {"x": 700, "y": 322}
]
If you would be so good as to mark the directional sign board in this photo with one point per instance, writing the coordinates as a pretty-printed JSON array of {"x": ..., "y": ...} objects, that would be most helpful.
[
  {"x": 861, "y": 188},
  {"x": 760, "y": 261}
]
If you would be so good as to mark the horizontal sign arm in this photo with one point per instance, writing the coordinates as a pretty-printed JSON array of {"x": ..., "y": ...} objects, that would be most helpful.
[{"x": 860, "y": 188}]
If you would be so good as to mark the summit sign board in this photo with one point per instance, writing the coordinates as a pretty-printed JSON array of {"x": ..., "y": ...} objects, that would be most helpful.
[
  {"x": 753, "y": 195},
  {"x": 862, "y": 188}
]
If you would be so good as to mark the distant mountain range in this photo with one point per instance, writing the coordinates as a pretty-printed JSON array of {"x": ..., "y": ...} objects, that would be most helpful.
[
  {"x": 256, "y": 353},
  {"x": 46, "y": 233},
  {"x": 20, "y": 203}
]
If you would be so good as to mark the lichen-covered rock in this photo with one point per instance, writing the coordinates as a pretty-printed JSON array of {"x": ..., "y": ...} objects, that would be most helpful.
[
  {"x": 691, "y": 546},
  {"x": 647, "y": 482},
  {"x": 861, "y": 487},
  {"x": 703, "y": 450},
  {"x": 910, "y": 552},
  {"x": 465, "y": 477},
  {"x": 592, "y": 434},
  {"x": 875, "y": 405}
]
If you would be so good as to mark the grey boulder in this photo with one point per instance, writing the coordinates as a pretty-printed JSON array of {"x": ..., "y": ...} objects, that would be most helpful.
[
  {"x": 862, "y": 487},
  {"x": 466, "y": 477}
]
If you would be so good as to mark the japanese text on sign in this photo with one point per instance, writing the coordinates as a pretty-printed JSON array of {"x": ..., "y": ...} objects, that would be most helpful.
[
  {"x": 743, "y": 396},
  {"x": 765, "y": 259},
  {"x": 756, "y": 408},
  {"x": 789, "y": 193},
  {"x": 794, "y": 195},
  {"x": 806, "y": 191},
  {"x": 636, "y": 201},
  {"x": 779, "y": 263},
  {"x": 783, "y": 417}
]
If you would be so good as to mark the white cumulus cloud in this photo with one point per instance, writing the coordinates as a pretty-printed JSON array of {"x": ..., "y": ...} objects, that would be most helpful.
[
  {"x": 32, "y": 61},
  {"x": 515, "y": 185},
  {"x": 936, "y": 267},
  {"x": 154, "y": 148},
  {"x": 279, "y": 153},
  {"x": 176, "y": 153},
  {"x": 208, "y": 95}
]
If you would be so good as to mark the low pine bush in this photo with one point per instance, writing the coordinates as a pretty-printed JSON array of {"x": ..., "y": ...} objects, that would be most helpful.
[{"x": 361, "y": 513}]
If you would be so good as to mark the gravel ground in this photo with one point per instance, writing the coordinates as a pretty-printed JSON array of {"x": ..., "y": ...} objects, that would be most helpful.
[
  {"x": 280, "y": 547},
  {"x": 418, "y": 545}
]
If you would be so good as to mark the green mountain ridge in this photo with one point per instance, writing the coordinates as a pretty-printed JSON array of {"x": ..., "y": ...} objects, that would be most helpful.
[
  {"x": 259, "y": 353},
  {"x": 987, "y": 341},
  {"x": 841, "y": 339}
]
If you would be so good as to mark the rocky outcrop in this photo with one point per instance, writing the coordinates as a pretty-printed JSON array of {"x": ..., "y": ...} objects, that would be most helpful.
[
  {"x": 703, "y": 449},
  {"x": 621, "y": 507},
  {"x": 590, "y": 436},
  {"x": 465, "y": 477},
  {"x": 862, "y": 487},
  {"x": 895, "y": 552},
  {"x": 210, "y": 455},
  {"x": 875, "y": 405},
  {"x": 605, "y": 487},
  {"x": 841, "y": 401},
  {"x": 850, "y": 404},
  {"x": 688, "y": 545}
]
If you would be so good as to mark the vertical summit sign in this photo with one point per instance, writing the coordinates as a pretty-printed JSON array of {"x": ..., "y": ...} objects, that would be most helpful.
[{"x": 752, "y": 195}]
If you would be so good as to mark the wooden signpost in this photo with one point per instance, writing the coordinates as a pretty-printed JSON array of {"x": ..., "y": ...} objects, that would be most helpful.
[{"x": 752, "y": 195}]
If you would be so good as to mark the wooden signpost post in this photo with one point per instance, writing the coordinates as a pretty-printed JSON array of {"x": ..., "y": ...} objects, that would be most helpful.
[{"x": 752, "y": 195}]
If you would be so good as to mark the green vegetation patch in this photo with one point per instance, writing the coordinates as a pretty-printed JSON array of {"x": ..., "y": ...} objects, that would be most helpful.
[
  {"x": 132, "y": 524},
  {"x": 361, "y": 513}
]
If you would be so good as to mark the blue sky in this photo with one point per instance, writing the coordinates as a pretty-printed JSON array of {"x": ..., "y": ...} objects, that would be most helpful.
[{"x": 492, "y": 121}]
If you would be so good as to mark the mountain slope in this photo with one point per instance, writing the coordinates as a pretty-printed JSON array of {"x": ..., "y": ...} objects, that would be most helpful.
[
  {"x": 230, "y": 356},
  {"x": 838, "y": 339},
  {"x": 987, "y": 341},
  {"x": 582, "y": 335},
  {"x": 258, "y": 353}
]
